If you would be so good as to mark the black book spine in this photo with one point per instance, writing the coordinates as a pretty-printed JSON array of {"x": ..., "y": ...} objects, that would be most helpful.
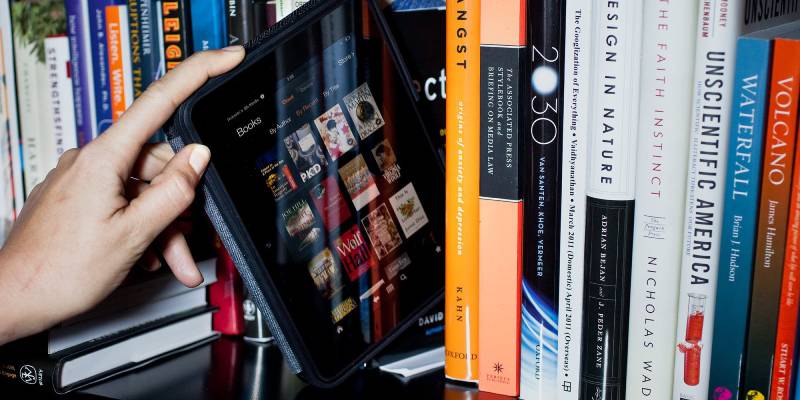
[
  {"x": 26, "y": 368},
  {"x": 175, "y": 22},
  {"x": 135, "y": 36},
  {"x": 259, "y": 11},
  {"x": 609, "y": 224},
  {"x": 240, "y": 22},
  {"x": 542, "y": 185}
]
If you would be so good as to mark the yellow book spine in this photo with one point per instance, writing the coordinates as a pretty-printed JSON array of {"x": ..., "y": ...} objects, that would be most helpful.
[{"x": 463, "y": 153}]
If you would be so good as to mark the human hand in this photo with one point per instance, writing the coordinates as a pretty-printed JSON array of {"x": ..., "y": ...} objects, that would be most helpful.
[{"x": 98, "y": 212}]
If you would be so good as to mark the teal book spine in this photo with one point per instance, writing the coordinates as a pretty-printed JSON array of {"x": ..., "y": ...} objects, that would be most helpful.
[{"x": 740, "y": 216}]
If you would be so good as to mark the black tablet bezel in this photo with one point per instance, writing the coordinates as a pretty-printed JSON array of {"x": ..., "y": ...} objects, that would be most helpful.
[{"x": 212, "y": 182}]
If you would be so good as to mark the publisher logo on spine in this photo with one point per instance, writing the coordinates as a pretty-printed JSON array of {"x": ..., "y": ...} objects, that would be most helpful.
[
  {"x": 28, "y": 375},
  {"x": 496, "y": 375}
]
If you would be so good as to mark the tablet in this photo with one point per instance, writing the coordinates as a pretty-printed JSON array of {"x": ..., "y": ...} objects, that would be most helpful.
[{"x": 324, "y": 185}]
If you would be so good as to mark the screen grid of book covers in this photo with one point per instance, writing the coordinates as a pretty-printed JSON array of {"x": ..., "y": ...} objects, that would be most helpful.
[{"x": 361, "y": 208}]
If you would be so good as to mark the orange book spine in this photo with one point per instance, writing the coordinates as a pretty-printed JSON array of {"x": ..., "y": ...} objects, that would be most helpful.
[
  {"x": 115, "y": 64},
  {"x": 502, "y": 110},
  {"x": 461, "y": 189},
  {"x": 785, "y": 80}
]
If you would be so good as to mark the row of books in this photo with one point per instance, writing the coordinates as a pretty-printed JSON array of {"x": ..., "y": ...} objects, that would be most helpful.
[
  {"x": 135, "y": 43},
  {"x": 623, "y": 203},
  {"x": 69, "y": 69}
]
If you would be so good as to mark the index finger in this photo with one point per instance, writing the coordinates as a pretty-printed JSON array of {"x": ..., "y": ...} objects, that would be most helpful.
[{"x": 152, "y": 109}]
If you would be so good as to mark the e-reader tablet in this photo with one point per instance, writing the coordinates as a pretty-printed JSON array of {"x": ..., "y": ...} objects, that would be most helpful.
[{"x": 324, "y": 185}]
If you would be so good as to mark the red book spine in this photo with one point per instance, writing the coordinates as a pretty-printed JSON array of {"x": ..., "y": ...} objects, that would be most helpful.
[
  {"x": 786, "y": 70},
  {"x": 227, "y": 294}
]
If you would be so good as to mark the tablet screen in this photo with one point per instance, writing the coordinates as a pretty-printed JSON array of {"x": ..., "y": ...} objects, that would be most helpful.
[{"x": 329, "y": 168}]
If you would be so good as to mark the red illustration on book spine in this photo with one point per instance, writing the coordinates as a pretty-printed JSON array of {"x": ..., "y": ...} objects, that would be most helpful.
[
  {"x": 692, "y": 348},
  {"x": 694, "y": 328},
  {"x": 691, "y": 363},
  {"x": 354, "y": 253}
]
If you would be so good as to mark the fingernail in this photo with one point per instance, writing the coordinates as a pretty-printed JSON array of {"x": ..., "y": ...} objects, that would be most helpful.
[
  {"x": 233, "y": 49},
  {"x": 193, "y": 274},
  {"x": 199, "y": 158}
]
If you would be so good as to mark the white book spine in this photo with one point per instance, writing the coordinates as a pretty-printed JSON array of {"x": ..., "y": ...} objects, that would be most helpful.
[
  {"x": 10, "y": 104},
  {"x": 718, "y": 27},
  {"x": 62, "y": 102},
  {"x": 668, "y": 53},
  {"x": 615, "y": 100},
  {"x": 27, "y": 67},
  {"x": 127, "y": 68},
  {"x": 577, "y": 67}
]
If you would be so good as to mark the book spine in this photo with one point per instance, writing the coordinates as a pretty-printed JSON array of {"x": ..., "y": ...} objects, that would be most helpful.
[
  {"x": 28, "y": 372},
  {"x": 712, "y": 87},
  {"x": 285, "y": 7},
  {"x": 127, "y": 64},
  {"x": 116, "y": 70},
  {"x": 776, "y": 180},
  {"x": 152, "y": 54},
  {"x": 461, "y": 189},
  {"x": 227, "y": 295},
  {"x": 10, "y": 105},
  {"x": 240, "y": 22},
  {"x": 610, "y": 198},
  {"x": 176, "y": 29},
  {"x": 208, "y": 25},
  {"x": 136, "y": 39},
  {"x": 577, "y": 60},
  {"x": 62, "y": 102},
  {"x": 663, "y": 153},
  {"x": 259, "y": 10},
  {"x": 27, "y": 67},
  {"x": 542, "y": 175},
  {"x": 7, "y": 213},
  {"x": 272, "y": 13},
  {"x": 100, "y": 71},
  {"x": 740, "y": 215},
  {"x": 785, "y": 344},
  {"x": 503, "y": 62},
  {"x": 80, "y": 67}
]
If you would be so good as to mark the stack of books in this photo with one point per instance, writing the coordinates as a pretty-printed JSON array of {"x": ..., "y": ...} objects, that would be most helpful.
[
  {"x": 149, "y": 317},
  {"x": 623, "y": 198}
]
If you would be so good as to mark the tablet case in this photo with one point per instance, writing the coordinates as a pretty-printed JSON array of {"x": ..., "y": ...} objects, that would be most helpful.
[{"x": 225, "y": 219}]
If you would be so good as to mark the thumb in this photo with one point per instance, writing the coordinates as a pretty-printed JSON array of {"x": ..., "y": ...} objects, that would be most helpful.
[{"x": 170, "y": 193}]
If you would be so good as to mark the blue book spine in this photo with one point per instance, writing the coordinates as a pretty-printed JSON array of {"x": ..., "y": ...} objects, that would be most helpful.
[
  {"x": 81, "y": 83},
  {"x": 208, "y": 24},
  {"x": 99, "y": 45},
  {"x": 740, "y": 216},
  {"x": 149, "y": 33}
]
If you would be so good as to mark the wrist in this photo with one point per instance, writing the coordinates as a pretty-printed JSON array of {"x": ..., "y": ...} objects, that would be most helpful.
[{"x": 21, "y": 310}]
